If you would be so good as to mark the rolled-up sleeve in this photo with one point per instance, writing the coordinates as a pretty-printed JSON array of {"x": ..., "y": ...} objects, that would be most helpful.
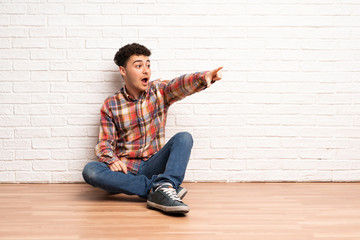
[
  {"x": 184, "y": 86},
  {"x": 105, "y": 149}
]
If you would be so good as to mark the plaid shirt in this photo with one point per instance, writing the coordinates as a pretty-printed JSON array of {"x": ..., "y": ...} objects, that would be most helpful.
[{"x": 132, "y": 130}]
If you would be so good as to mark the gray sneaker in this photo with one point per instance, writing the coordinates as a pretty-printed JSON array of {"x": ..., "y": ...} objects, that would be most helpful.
[
  {"x": 181, "y": 192},
  {"x": 166, "y": 199}
]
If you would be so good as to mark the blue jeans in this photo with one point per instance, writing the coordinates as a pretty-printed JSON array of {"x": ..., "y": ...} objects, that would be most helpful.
[{"x": 167, "y": 165}]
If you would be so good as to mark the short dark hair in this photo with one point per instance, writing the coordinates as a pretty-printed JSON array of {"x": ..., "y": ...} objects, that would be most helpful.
[{"x": 124, "y": 53}]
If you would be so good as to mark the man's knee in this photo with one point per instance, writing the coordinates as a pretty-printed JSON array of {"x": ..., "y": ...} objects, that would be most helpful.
[
  {"x": 90, "y": 171},
  {"x": 186, "y": 138}
]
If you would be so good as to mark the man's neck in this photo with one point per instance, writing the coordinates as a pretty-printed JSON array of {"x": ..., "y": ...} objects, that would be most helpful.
[{"x": 134, "y": 94}]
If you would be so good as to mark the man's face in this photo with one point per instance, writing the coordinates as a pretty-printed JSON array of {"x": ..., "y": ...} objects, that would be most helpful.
[{"x": 136, "y": 74}]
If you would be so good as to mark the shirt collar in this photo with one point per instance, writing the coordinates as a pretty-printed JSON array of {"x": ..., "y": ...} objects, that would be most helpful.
[{"x": 129, "y": 97}]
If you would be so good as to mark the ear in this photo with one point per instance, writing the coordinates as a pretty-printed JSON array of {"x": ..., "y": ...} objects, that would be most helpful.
[{"x": 122, "y": 71}]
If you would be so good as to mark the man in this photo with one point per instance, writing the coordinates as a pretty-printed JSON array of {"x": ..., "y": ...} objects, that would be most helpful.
[{"x": 132, "y": 156}]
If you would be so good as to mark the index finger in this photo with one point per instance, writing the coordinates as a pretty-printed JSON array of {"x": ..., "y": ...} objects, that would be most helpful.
[
  {"x": 217, "y": 69},
  {"x": 123, "y": 167}
]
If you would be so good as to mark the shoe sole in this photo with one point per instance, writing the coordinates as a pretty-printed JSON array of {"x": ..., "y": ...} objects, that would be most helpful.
[
  {"x": 182, "y": 193},
  {"x": 169, "y": 209}
]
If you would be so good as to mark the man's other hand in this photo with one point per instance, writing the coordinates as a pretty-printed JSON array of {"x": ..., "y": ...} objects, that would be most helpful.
[
  {"x": 118, "y": 166},
  {"x": 213, "y": 76}
]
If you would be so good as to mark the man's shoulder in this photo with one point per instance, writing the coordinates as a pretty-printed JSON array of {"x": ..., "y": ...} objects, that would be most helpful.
[
  {"x": 113, "y": 98},
  {"x": 158, "y": 83}
]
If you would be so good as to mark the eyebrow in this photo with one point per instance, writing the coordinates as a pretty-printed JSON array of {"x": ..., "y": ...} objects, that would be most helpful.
[{"x": 140, "y": 61}]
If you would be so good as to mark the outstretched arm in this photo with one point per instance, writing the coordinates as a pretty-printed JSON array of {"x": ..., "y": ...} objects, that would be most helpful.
[{"x": 185, "y": 85}]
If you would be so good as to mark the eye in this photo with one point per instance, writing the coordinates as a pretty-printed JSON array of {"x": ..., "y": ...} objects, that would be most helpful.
[
  {"x": 138, "y": 66},
  {"x": 148, "y": 66}
]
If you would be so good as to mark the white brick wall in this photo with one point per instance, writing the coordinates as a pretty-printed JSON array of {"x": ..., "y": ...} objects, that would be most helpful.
[{"x": 287, "y": 108}]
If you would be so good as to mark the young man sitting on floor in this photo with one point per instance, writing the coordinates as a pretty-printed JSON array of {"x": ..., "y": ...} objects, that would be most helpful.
[{"x": 132, "y": 156}]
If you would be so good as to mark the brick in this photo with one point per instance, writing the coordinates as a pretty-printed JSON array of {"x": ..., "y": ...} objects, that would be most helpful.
[
  {"x": 51, "y": 76},
  {"x": 334, "y": 165},
  {"x": 84, "y": 54},
  {"x": 37, "y": 109},
  {"x": 226, "y": 120},
  {"x": 86, "y": 98},
  {"x": 27, "y": 20},
  {"x": 4, "y": 20},
  {"x": 317, "y": 176},
  {"x": 101, "y": 66},
  {"x": 32, "y": 177},
  {"x": 69, "y": 132},
  {"x": 87, "y": 143},
  {"x": 67, "y": 65},
  {"x": 316, "y": 154},
  {"x": 5, "y": 87},
  {"x": 49, "y": 143},
  {"x": 17, "y": 144},
  {"x": 7, "y": 155},
  {"x": 47, "y": 98},
  {"x": 160, "y": 31},
  {"x": 283, "y": 176},
  {"x": 182, "y": 120},
  {"x": 44, "y": 165},
  {"x": 108, "y": 88},
  {"x": 119, "y": 9},
  {"x": 65, "y": 20},
  {"x": 268, "y": 142},
  {"x": 16, "y": 165},
  {"x": 13, "y": 32},
  {"x": 45, "y": 9},
  {"x": 6, "y": 133},
  {"x": 5, "y": 66},
  {"x": 348, "y": 175},
  {"x": 42, "y": 121},
  {"x": 14, "y": 121},
  {"x": 67, "y": 43},
  {"x": 73, "y": 154},
  {"x": 32, "y": 155},
  {"x": 6, "y": 109},
  {"x": 83, "y": 9},
  {"x": 262, "y": 165},
  {"x": 228, "y": 143},
  {"x": 77, "y": 165},
  {"x": 81, "y": 76},
  {"x": 299, "y": 165},
  {"x": 210, "y": 154},
  {"x": 13, "y": 9},
  {"x": 210, "y": 131},
  {"x": 47, "y": 54},
  {"x": 14, "y": 54},
  {"x": 199, "y": 143},
  {"x": 232, "y": 165},
  {"x": 73, "y": 109},
  {"x": 31, "y": 87},
  {"x": 67, "y": 87},
  {"x": 14, "y": 76},
  {"x": 30, "y": 65},
  {"x": 212, "y": 176},
  {"x": 67, "y": 177},
  {"x": 7, "y": 177},
  {"x": 181, "y": 109},
  {"x": 87, "y": 32},
  {"x": 136, "y": 21},
  {"x": 31, "y": 132},
  {"x": 198, "y": 165},
  {"x": 83, "y": 121},
  {"x": 106, "y": 20},
  {"x": 103, "y": 43}
]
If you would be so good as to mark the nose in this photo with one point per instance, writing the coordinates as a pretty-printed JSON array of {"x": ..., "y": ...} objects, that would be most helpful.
[{"x": 146, "y": 70}]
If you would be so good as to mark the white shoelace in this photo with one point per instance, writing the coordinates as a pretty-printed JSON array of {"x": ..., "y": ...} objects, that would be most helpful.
[{"x": 171, "y": 193}]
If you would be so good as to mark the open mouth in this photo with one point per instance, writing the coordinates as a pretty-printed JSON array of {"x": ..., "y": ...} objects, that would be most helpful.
[{"x": 145, "y": 80}]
